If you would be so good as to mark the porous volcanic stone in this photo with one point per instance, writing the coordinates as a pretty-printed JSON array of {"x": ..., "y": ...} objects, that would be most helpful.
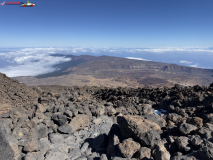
[
  {"x": 128, "y": 147},
  {"x": 144, "y": 153},
  {"x": 186, "y": 128}
]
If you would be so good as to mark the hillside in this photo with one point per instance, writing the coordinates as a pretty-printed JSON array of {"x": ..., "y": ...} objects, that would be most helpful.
[
  {"x": 75, "y": 123},
  {"x": 114, "y": 71}
]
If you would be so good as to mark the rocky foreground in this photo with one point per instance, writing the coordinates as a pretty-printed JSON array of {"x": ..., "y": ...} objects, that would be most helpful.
[{"x": 79, "y": 123}]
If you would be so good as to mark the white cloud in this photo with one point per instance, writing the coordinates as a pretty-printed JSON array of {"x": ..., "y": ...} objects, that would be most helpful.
[
  {"x": 137, "y": 58},
  {"x": 196, "y": 66},
  {"x": 186, "y": 62},
  {"x": 31, "y": 61}
]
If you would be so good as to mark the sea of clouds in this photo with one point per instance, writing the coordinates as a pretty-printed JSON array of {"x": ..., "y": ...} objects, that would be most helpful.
[{"x": 35, "y": 61}]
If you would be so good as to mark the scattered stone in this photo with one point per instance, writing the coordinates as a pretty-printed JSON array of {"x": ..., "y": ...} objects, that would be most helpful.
[
  {"x": 33, "y": 145},
  {"x": 183, "y": 158},
  {"x": 186, "y": 128},
  {"x": 144, "y": 153},
  {"x": 161, "y": 152},
  {"x": 59, "y": 118},
  {"x": 56, "y": 138},
  {"x": 79, "y": 122},
  {"x": 183, "y": 143},
  {"x": 136, "y": 127},
  {"x": 128, "y": 147},
  {"x": 65, "y": 129},
  {"x": 74, "y": 153},
  {"x": 6, "y": 152},
  {"x": 197, "y": 121},
  {"x": 110, "y": 110},
  {"x": 54, "y": 155}
]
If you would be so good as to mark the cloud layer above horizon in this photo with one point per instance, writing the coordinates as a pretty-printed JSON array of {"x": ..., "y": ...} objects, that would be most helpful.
[{"x": 35, "y": 61}]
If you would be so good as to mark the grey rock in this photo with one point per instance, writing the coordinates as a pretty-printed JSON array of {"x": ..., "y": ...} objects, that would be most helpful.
[
  {"x": 103, "y": 157},
  {"x": 60, "y": 147},
  {"x": 110, "y": 110},
  {"x": 174, "y": 117},
  {"x": 31, "y": 156},
  {"x": 157, "y": 119},
  {"x": 161, "y": 152},
  {"x": 205, "y": 151},
  {"x": 186, "y": 128},
  {"x": 42, "y": 131},
  {"x": 6, "y": 125},
  {"x": 184, "y": 157},
  {"x": 97, "y": 110},
  {"x": 146, "y": 109},
  {"x": 33, "y": 145},
  {"x": 119, "y": 158},
  {"x": 59, "y": 118},
  {"x": 81, "y": 158},
  {"x": 71, "y": 141},
  {"x": 84, "y": 148},
  {"x": 196, "y": 140},
  {"x": 143, "y": 153},
  {"x": 54, "y": 155},
  {"x": 150, "y": 138},
  {"x": 74, "y": 153},
  {"x": 65, "y": 129},
  {"x": 13, "y": 142},
  {"x": 183, "y": 143},
  {"x": 68, "y": 113},
  {"x": 136, "y": 127},
  {"x": 56, "y": 138},
  {"x": 6, "y": 152}
]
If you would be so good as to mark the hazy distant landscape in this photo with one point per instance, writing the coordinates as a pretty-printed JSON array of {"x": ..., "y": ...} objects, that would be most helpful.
[{"x": 115, "y": 71}]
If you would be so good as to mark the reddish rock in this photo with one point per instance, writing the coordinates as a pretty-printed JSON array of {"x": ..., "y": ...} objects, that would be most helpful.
[{"x": 128, "y": 147}]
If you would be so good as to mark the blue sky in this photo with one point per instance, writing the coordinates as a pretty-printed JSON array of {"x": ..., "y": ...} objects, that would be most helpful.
[
  {"x": 108, "y": 23},
  {"x": 170, "y": 31}
]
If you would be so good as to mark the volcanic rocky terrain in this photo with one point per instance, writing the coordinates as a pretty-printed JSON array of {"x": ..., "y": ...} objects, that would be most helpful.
[{"x": 80, "y": 123}]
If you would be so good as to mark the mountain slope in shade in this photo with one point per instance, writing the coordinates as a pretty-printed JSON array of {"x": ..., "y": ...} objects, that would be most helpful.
[
  {"x": 115, "y": 71},
  {"x": 15, "y": 94}
]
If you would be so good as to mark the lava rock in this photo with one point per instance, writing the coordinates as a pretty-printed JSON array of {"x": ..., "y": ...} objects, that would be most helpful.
[
  {"x": 65, "y": 129},
  {"x": 183, "y": 144},
  {"x": 186, "y": 128},
  {"x": 59, "y": 118},
  {"x": 144, "y": 153},
  {"x": 197, "y": 121},
  {"x": 136, "y": 127},
  {"x": 161, "y": 152},
  {"x": 128, "y": 147},
  {"x": 79, "y": 122}
]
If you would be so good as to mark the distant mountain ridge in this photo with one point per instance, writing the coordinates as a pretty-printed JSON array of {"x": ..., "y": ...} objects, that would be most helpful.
[{"x": 115, "y": 71}]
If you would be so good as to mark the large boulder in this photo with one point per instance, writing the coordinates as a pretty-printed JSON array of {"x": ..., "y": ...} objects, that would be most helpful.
[{"x": 141, "y": 130}]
